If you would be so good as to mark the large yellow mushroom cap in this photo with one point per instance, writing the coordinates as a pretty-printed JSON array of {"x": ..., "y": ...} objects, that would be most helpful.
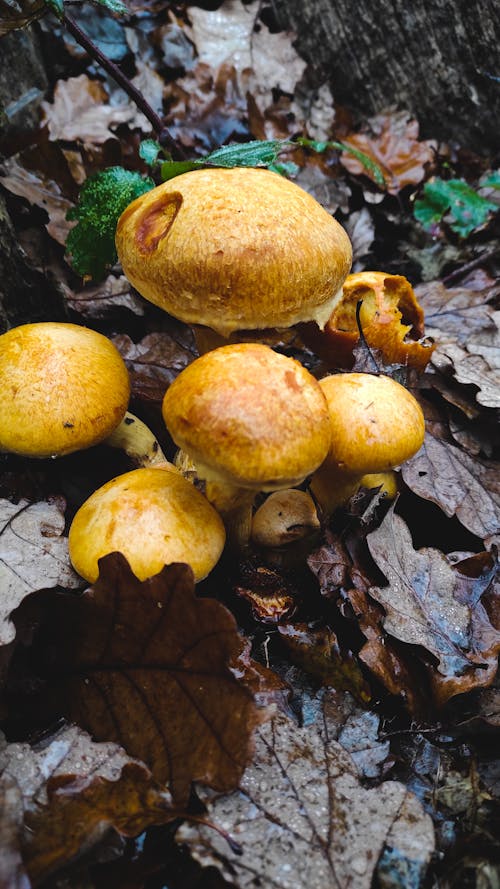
[
  {"x": 234, "y": 249},
  {"x": 376, "y": 423},
  {"x": 63, "y": 388},
  {"x": 154, "y": 517},
  {"x": 250, "y": 417}
]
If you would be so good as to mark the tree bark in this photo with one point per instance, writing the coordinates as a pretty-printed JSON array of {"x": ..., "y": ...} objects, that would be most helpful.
[{"x": 440, "y": 61}]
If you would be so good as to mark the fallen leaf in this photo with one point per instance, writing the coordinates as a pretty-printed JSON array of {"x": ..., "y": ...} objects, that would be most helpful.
[
  {"x": 392, "y": 142},
  {"x": 148, "y": 665},
  {"x": 318, "y": 652},
  {"x": 430, "y": 604},
  {"x": 69, "y": 791},
  {"x": 79, "y": 112},
  {"x": 33, "y": 556},
  {"x": 107, "y": 296},
  {"x": 156, "y": 360},
  {"x": 12, "y": 871},
  {"x": 302, "y": 818},
  {"x": 361, "y": 230},
  {"x": 41, "y": 191},
  {"x": 333, "y": 194},
  {"x": 465, "y": 325},
  {"x": 264, "y": 61},
  {"x": 460, "y": 485}
]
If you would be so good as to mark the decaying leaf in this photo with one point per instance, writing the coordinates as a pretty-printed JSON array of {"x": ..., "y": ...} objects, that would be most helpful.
[
  {"x": 459, "y": 485},
  {"x": 79, "y": 112},
  {"x": 108, "y": 296},
  {"x": 303, "y": 819},
  {"x": 263, "y": 61},
  {"x": 318, "y": 652},
  {"x": 430, "y": 604},
  {"x": 70, "y": 792},
  {"x": 465, "y": 325},
  {"x": 156, "y": 360},
  {"x": 148, "y": 665},
  {"x": 33, "y": 556},
  {"x": 41, "y": 191},
  {"x": 392, "y": 142}
]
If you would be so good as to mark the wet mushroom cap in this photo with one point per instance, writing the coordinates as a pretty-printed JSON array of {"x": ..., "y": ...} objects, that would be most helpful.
[
  {"x": 250, "y": 417},
  {"x": 234, "y": 249},
  {"x": 376, "y": 423},
  {"x": 64, "y": 388},
  {"x": 154, "y": 517}
]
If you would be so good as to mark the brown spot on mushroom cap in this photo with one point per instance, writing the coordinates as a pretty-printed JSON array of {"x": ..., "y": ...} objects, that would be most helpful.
[
  {"x": 376, "y": 423},
  {"x": 235, "y": 413},
  {"x": 64, "y": 388},
  {"x": 154, "y": 517},
  {"x": 247, "y": 249}
]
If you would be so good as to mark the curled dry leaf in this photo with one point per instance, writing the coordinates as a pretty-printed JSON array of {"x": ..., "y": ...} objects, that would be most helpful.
[
  {"x": 392, "y": 142},
  {"x": 430, "y": 604},
  {"x": 303, "y": 819},
  {"x": 33, "y": 556},
  {"x": 41, "y": 191},
  {"x": 156, "y": 360},
  {"x": 147, "y": 664},
  {"x": 69, "y": 791},
  {"x": 459, "y": 485}
]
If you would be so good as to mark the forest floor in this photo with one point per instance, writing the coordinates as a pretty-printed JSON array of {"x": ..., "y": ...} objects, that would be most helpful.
[{"x": 362, "y": 663}]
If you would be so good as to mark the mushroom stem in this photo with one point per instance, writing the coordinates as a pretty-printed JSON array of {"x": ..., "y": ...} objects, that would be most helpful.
[
  {"x": 137, "y": 440},
  {"x": 332, "y": 488},
  {"x": 234, "y": 505}
]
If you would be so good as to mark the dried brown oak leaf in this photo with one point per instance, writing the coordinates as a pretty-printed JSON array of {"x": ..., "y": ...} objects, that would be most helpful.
[
  {"x": 33, "y": 556},
  {"x": 67, "y": 792},
  {"x": 155, "y": 361},
  {"x": 466, "y": 327},
  {"x": 79, "y": 112},
  {"x": 41, "y": 191},
  {"x": 110, "y": 295},
  {"x": 430, "y": 604},
  {"x": 304, "y": 820},
  {"x": 147, "y": 664},
  {"x": 460, "y": 485},
  {"x": 392, "y": 142}
]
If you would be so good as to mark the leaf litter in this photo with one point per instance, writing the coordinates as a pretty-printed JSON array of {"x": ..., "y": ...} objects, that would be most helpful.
[{"x": 352, "y": 617}]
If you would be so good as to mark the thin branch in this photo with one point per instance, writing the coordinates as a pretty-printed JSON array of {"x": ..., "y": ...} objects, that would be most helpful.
[{"x": 164, "y": 137}]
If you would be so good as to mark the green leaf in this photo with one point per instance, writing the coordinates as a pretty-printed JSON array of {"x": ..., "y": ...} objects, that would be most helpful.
[
  {"x": 247, "y": 154},
  {"x": 102, "y": 200},
  {"x": 170, "y": 169},
  {"x": 56, "y": 6},
  {"x": 113, "y": 6},
  {"x": 285, "y": 168},
  {"x": 468, "y": 209},
  {"x": 149, "y": 149},
  {"x": 492, "y": 181}
]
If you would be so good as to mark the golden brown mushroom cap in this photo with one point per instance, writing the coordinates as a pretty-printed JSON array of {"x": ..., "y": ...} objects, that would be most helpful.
[
  {"x": 376, "y": 423},
  {"x": 234, "y": 249},
  {"x": 249, "y": 417},
  {"x": 63, "y": 388},
  {"x": 154, "y": 517}
]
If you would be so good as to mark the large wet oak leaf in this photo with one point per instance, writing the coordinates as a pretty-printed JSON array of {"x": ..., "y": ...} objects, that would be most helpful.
[
  {"x": 460, "y": 485},
  {"x": 63, "y": 794},
  {"x": 33, "y": 556},
  {"x": 156, "y": 360},
  {"x": 304, "y": 820},
  {"x": 430, "y": 604},
  {"x": 147, "y": 664}
]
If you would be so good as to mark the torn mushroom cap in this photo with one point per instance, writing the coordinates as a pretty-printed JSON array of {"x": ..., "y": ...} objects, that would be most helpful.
[
  {"x": 376, "y": 425},
  {"x": 64, "y": 388},
  {"x": 154, "y": 517},
  {"x": 234, "y": 249},
  {"x": 390, "y": 317},
  {"x": 249, "y": 417}
]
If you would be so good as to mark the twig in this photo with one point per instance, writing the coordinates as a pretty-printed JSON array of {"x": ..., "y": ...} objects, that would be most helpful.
[
  {"x": 164, "y": 137},
  {"x": 469, "y": 267}
]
